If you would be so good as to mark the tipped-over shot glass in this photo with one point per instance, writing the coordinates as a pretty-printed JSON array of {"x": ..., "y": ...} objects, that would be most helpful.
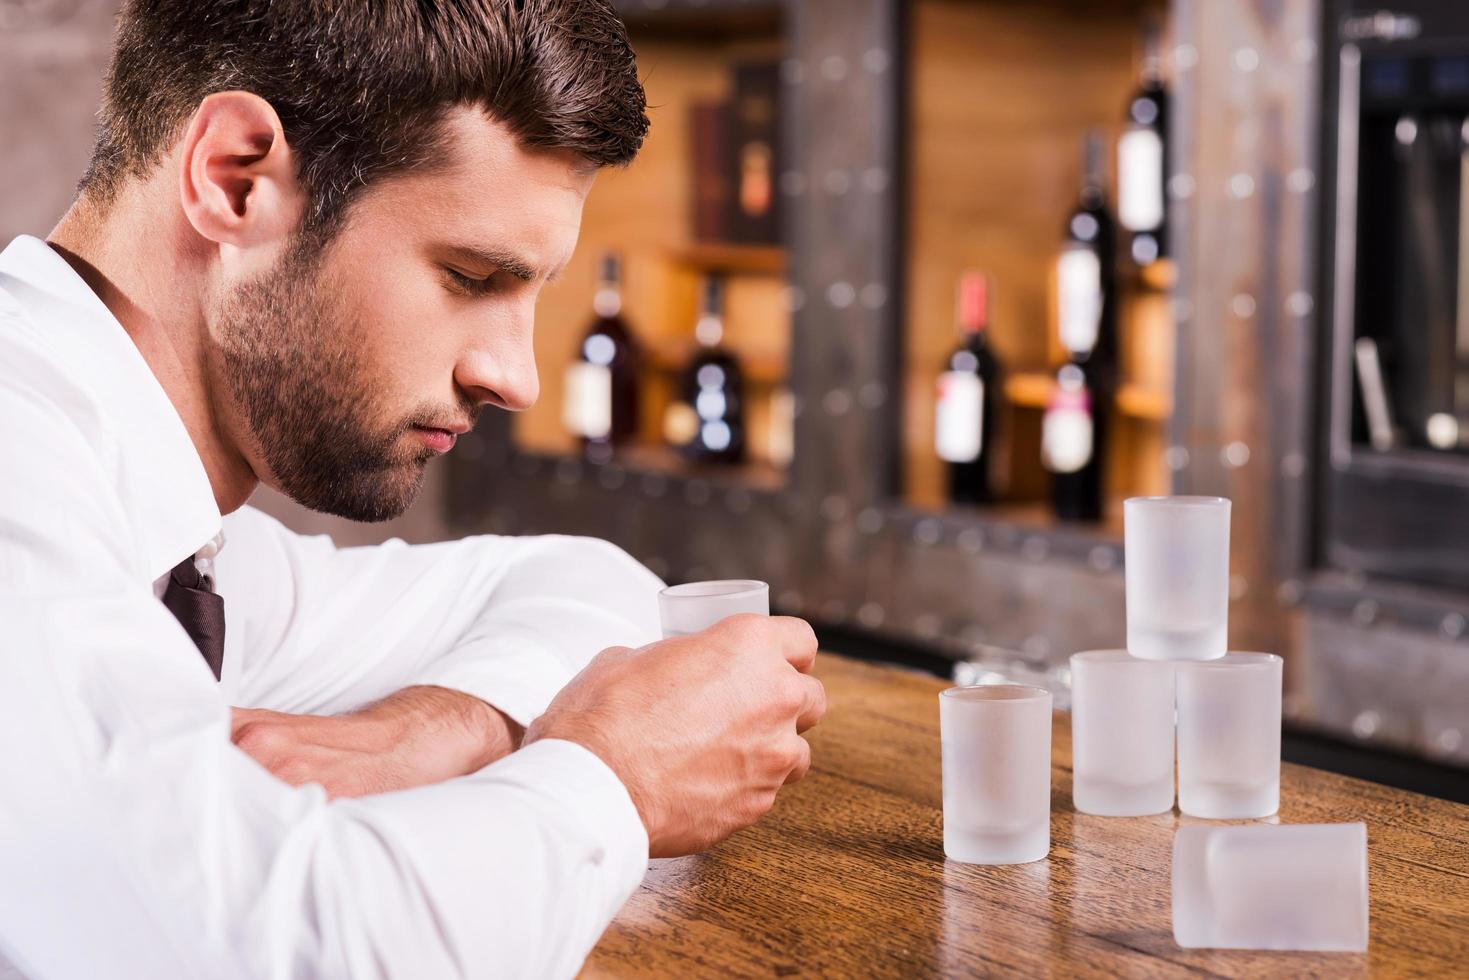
[{"x": 696, "y": 606}]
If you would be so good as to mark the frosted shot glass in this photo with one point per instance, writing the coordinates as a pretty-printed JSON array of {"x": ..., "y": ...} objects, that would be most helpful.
[
  {"x": 996, "y": 747},
  {"x": 1271, "y": 886},
  {"x": 1229, "y": 736},
  {"x": 1121, "y": 734},
  {"x": 1177, "y": 577},
  {"x": 696, "y": 606}
]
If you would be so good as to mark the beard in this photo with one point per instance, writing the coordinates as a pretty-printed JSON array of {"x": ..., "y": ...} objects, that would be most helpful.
[{"x": 291, "y": 357}]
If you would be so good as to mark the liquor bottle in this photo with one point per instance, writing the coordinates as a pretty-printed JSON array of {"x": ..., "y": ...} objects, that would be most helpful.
[
  {"x": 967, "y": 412},
  {"x": 1142, "y": 159},
  {"x": 1074, "y": 429},
  {"x": 706, "y": 420},
  {"x": 1073, "y": 434},
  {"x": 601, "y": 395}
]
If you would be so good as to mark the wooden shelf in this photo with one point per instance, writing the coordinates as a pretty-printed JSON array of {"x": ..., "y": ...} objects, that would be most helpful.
[
  {"x": 1159, "y": 277},
  {"x": 1032, "y": 389},
  {"x": 671, "y": 354},
  {"x": 655, "y": 458},
  {"x": 728, "y": 258}
]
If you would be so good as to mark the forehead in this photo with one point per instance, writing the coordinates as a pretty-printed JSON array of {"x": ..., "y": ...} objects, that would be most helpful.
[{"x": 488, "y": 188}]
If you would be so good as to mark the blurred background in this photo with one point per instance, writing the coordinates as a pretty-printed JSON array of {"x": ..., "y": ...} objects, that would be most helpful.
[{"x": 902, "y": 299}]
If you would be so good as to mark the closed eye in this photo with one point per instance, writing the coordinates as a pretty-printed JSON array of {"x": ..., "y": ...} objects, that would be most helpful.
[{"x": 467, "y": 285}]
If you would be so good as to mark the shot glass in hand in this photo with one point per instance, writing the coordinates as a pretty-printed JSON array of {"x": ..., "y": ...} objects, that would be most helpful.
[
  {"x": 696, "y": 606},
  {"x": 1229, "y": 736},
  {"x": 1177, "y": 577},
  {"x": 1121, "y": 734},
  {"x": 1262, "y": 886},
  {"x": 996, "y": 745}
]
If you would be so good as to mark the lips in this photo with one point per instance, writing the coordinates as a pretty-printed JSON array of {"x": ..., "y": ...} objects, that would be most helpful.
[{"x": 439, "y": 440}]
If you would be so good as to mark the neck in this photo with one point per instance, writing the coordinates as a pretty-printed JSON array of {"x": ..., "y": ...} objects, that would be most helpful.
[{"x": 151, "y": 279}]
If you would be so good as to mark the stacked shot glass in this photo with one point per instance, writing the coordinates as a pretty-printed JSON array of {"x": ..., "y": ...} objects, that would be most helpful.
[{"x": 1178, "y": 692}]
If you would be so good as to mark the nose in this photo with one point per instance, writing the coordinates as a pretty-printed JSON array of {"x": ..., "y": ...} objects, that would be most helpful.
[{"x": 499, "y": 367}]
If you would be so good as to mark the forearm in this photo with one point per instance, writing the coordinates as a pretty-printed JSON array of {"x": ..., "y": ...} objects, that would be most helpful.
[{"x": 444, "y": 730}]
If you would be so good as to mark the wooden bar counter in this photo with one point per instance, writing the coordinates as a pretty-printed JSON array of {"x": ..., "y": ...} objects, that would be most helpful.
[{"x": 846, "y": 877}]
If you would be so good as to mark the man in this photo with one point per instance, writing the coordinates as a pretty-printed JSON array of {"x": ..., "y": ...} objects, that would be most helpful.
[{"x": 307, "y": 253}]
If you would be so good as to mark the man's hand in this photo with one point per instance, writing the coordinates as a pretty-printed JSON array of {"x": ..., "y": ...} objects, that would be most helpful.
[
  {"x": 703, "y": 730},
  {"x": 417, "y": 736}
]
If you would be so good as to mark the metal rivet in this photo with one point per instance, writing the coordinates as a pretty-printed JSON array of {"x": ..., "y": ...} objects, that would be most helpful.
[
  {"x": 834, "y": 67},
  {"x": 1234, "y": 455},
  {"x": 875, "y": 61},
  {"x": 792, "y": 71},
  {"x": 1293, "y": 465},
  {"x": 1035, "y": 548},
  {"x": 1303, "y": 49},
  {"x": 1183, "y": 309},
  {"x": 841, "y": 294},
  {"x": 1242, "y": 305},
  {"x": 1299, "y": 303},
  {"x": 654, "y": 484},
  {"x": 1453, "y": 625},
  {"x": 1102, "y": 558},
  {"x": 1366, "y": 724},
  {"x": 568, "y": 471},
  {"x": 738, "y": 500},
  {"x": 837, "y": 402},
  {"x": 837, "y": 182},
  {"x": 1300, "y": 180},
  {"x": 973, "y": 635},
  {"x": 927, "y": 625},
  {"x": 1291, "y": 705},
  {"x": 1185, "y": 56},
  {"x": 834, "y": 610},
  {"x": 1036, "y": 647},
  {"x": 874, "y": 295},
  {"x": 793, "y": 183},
  {"x": 1364, "y": 613},
  {"x": 658, "y": 567},
  {"x": 1239, "y": 587},
  {"x": 790, "y": 600},
  {"x": 612, "y": 477},
  {"x": 834, "y": 507},
  {"x": 870, "y": 615},
  {"x": 1289, "y": 592},
  {"x": 1449, "y": 740},
  {"x": 1175, "y": 458},
  {"x": 1241, "y": 186},
  {"x": 870, "y": 521},
  {"x": 1181, "y": 187},
  {"x": 928, "y": 532},
  {"x": 971, "y": 541},
  {"x": 875, "y": 180},
  {"x": 795, "y": 298},
  {"x": 696, "y": 492},
  {"x": 873, "y": 395},
  {"x": 1246, "y": 59}
]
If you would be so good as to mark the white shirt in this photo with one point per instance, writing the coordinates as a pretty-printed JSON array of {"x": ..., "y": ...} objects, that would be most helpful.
[{"x": 135, "y": 839}]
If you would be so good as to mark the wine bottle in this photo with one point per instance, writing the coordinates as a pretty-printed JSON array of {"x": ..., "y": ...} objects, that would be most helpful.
[
  {"x": 1142, "y": 159},
  {"x": 1073, "y": 433},
  {"x": 601, "y": 394},
  {"x": 706, "y": 420},
  {"x": 968, "y": 402}
]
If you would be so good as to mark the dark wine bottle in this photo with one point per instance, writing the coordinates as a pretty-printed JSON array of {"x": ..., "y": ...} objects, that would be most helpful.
[
  {"x": 1074, "y": 429},
  {"x": 1142, "y": 159},
  {"x": 601, "y": 403},
  {"x": 967, "y": 416},
  {"x": 706, "y": 421}
]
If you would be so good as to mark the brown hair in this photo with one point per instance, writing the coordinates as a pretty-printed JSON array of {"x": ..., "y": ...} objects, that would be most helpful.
[{"x": 361, "y": 85}]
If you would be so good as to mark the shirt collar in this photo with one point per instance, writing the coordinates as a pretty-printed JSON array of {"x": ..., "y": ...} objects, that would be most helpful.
[{"x": 161, "y": 478}]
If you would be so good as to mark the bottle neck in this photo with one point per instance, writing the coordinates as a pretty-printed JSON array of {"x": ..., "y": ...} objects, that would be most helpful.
[
  {"x": 607, "y": 300},
  {"x": 972, "y": 308},
  {"x": 1091, "y": 194},
  {"x": 709, "y": 331}
]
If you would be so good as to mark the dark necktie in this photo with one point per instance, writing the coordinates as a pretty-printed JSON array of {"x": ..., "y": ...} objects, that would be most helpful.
[{"x": 191, "y": 598}]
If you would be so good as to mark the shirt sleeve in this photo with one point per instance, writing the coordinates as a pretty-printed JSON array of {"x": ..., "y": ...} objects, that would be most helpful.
[
  {"x": 137, "y": 841},
  {"x": 509, "y": 620}
]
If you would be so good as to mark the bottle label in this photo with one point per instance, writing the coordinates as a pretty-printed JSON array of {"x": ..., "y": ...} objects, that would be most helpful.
[
  {"x": 1066, "y": 433},
  {"x": 959, "y": 418},
  {"x": 1078, "y": 299},
  {"x": 587, "y": 408},
  {"x": 1140, "y": 180}
]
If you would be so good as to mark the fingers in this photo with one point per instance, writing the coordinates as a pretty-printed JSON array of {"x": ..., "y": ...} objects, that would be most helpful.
[
  {"x": 797, "y": 641},
  {"x": 814, "y": 704},
  {"x": 803, "y": 762}
]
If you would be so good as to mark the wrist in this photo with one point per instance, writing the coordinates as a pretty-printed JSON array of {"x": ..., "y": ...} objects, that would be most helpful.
[{"x": 447, "y": 730}]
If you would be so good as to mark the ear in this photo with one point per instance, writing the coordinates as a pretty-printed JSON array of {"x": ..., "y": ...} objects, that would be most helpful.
[{"x": 237, "y": 178}]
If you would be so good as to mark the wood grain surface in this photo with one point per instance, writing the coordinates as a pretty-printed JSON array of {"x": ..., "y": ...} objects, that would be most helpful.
[{"x": 846, "y": 877}]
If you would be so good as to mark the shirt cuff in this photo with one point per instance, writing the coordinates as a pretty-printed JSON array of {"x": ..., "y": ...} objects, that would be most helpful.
[{"x": 517, "y": 678}]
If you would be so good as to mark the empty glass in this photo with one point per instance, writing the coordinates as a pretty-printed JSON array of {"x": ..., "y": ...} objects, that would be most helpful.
[
  {"x": 686, "y": 609},
  {"x": 1121, "y": 734},
  {"x": 1263, "y": 886},
  {"x": 996, "y": 745},
  {"x": 1177, "y": 571},
  {"x": 1229, "y": 736}
]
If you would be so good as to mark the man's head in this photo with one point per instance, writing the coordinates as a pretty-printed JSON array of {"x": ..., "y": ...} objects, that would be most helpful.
[{"x": 372, "y": 194}]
